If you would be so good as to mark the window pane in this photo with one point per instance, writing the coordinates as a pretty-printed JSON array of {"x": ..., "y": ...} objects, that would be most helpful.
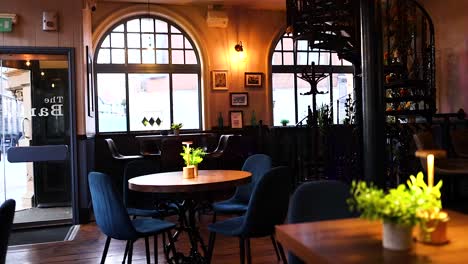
[
  {"x": 119, "y": 28},
  {"x": 335, "y": 59},
  {"x": 343, "y": 84},
  {"x": 283, "y": 97},
  {"x": 324, "y": 58},
  {"x": 303, "y": 101},
  {"x": 133, "y": 40},
  {"x": 111, "y": 102},
  {"x": 302, "y": 58},
  {"x": 133, "y": 25},
  {"x": 106, "y": 42},
  {"x": 162, "y": 41},
  {"x": 190, "y": 57},
  {"x": 303, "y": 45},
  {"x": 147, "y": 41},
  {"x": 147, "y": 25},
  {"x": 161, "y": 26},
  {"x": 104, "y": 56},
  {"x": 118, "y": 56},
  {"x": 277, "y": 59},
  {"x": 175, "y": 30},
  {"x": 187, "y": 44},
  {"x": 148, "y": 56},
  {"x": 185, "y": 92},
  {"x": 288, "y": 58},
  {"x": 134, "y": 56},
  {"x": 149, "y": 100},
  {"x": 177, "y": 41},
  {"x": 177, "y": 57},
  {"x": 162, "y": 57},
  {"x": 288, "y": 44},
  {"x": 278, "y": 46},
  {"x": 117, "y": 40}
]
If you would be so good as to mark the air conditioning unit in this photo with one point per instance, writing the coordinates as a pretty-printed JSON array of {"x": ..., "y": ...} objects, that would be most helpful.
[{"x": 217, "y": 18}]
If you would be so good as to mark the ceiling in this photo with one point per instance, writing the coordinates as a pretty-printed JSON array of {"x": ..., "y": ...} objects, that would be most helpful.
[{"x": 253, "y": 4}]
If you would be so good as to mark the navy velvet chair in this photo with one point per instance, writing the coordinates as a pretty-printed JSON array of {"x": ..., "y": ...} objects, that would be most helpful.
[
  {"x": 268, "y": 207},
  {"x": 143, "y": 204},
  {"x": 318, "y": 201},
  {"x": 113, "y": 220},
  {"x": 258, "y": 165},
  {"x": 7, "y": 213}
]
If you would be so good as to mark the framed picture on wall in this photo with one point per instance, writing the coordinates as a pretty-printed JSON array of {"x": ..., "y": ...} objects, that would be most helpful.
[
  {"x": 236, "y": 119},
  {"x": 219, "y": 80},
  {"x": 239, "y": 99},
  {"x": 254, "y": 79}
]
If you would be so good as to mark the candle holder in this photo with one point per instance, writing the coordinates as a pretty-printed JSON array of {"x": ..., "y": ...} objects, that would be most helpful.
[{"x": 434, "y": 229}]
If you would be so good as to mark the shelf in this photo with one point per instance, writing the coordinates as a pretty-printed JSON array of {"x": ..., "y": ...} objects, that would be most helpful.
[
  {"x": 406, "y": 84},
  {"x": 414, "y": 98},
  {"x": 409, "y": 112}
]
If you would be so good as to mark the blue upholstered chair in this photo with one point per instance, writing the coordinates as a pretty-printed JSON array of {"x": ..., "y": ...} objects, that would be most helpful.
[
  {"x": 138, "y": 203},
  {"x": 113, "y": 220},
  {"x": 318, "y": 201},
  {"x": 7, "y": 213},
  {"x": 258, "y": 165},
  {"x": 267, "y": 207}
]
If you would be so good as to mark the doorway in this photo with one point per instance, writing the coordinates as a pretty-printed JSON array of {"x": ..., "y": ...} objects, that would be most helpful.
[{"x": 36, "y": 102}]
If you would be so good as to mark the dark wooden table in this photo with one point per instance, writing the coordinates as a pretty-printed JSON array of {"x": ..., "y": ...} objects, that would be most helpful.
[
  {"x": 173, "y": 182},
  {"x": 360, "y": 241}
]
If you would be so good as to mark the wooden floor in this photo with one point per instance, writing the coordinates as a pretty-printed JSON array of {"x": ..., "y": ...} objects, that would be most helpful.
[{"x": 88, "y": 245}]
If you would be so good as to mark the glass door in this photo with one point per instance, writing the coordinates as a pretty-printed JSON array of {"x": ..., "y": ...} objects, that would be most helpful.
[{"x": 35, "y": 112}]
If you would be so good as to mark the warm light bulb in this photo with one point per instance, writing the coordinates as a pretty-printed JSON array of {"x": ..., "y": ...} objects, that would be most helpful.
[
  {"x": 53, "y": 85},
  {"x": 42, "y": 73},
  {"x": 28, "y": 63}
]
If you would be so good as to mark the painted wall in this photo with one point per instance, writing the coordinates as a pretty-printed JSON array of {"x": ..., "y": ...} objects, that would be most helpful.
[
  {"x": 451, "y": 26},
  {"x": 28, "y": 32},
  {"x": 257, "y": 29}
]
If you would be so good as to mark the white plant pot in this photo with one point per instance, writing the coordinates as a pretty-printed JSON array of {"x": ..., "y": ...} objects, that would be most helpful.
[{"x": 397, "y": 237}]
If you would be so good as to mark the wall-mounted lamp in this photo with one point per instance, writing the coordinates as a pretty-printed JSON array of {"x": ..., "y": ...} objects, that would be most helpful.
[{"x": 238, "y": 47}]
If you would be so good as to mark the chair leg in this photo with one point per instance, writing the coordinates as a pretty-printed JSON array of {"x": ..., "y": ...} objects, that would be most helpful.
[
  {"x": 273, "y": 241},
  {"x": 242, "y": 250},
  {"x": 148, "y": 258},
  {"x": 130, "y": 252},
  {"x": 156, "y": 249},
  {"x": 247, "y": 249},
  {"x": 280, "y": 249},
  {"x": 211, "y": 242},
  {"x": 214, "y": 217},
  {"x": 106, "y": 248},
  {"x": 172, "y": 245},
  {"x": 126, "y": 252}
]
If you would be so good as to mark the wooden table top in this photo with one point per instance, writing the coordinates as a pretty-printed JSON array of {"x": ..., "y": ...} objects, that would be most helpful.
[
  {"x": 360, "y": 241},
  {"x": 172, "y": 182}
]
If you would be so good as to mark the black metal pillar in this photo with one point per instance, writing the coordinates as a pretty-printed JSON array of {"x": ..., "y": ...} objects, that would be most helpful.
[{"x": 373, "y": 104}]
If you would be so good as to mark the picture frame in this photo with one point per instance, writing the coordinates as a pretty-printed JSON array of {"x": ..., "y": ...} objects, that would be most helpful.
[
  {"x": 236, "y": 119},
  {"x": 219, "y": 80},
  {"x": 239, "y": 99},
  {"x": 90, "y": 82},
  {"x": 253, "y": 79}
]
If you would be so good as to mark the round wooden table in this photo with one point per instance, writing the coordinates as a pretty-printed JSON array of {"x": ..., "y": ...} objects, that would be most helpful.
[{"x": 173, "y": 182}]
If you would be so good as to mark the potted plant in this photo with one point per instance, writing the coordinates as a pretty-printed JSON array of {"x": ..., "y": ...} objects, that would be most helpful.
[
  {"x": 400, "y": 208},
  {"x": 192, "y": 157},
  {"x": 284, "y": 122},
  {"x": 176, "y": 128}
]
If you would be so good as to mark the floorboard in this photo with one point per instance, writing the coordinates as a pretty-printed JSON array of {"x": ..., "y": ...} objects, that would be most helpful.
[{"x": 89, "y": 243}]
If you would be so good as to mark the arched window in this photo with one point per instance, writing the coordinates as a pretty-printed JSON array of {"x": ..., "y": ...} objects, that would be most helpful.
[
  {"x": 288, "y": 64},
  {"x": 148, "y": 77}
]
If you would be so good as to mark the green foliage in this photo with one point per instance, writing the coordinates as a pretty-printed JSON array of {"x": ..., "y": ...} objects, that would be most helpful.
[
  {"x": 284, "y": 121},
  {"x": 176, "y": 126},
  {"x": 192, "y": 156},
  {"x": 402, "y": 205},
  {"x": 324, "y": 117}
]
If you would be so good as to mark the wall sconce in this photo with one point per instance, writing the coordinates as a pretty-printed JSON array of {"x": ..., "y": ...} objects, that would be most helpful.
[{"x": 238, "y": 47}]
